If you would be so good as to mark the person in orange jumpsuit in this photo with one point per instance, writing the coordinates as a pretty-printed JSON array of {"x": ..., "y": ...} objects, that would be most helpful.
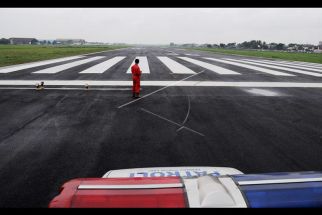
[{"x": 136, "y": 75}]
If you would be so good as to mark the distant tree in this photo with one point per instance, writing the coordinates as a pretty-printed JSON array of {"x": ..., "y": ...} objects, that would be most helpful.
[
  {"x": 231, "y": 45},
  {"x": 209, "y": 46},
  {"x": 255, "y": 44},
  {"x": 4, "y": 41},
  {"x": 272, "y": 46},
  {"x": 34, "y": 41},
  {"x": 222, "y": 45},
  {"x": 291, "y": 44},
  {"x": 244, "y": 45},
  {"x": 265, "y": 46},
  {"x": 280, "y": 46}
]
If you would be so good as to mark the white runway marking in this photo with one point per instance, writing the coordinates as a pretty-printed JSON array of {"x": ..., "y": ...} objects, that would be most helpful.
[
  {"x": 211, "y": 67},
  {"x": 303, "y": 63},
  {"x": 284, "y": 65},
  {"x": 143, "y": 64},
  {"x": 68, "y": 88},
  {"x": 102, "y": 67},
  {"x": 55, "y": 69},
  {"x": 13, "y": 68},
  {"x": 192, "y": 54},
  {"x": 269, "y": 71},
  {"x": 262, "y": 92},
  {"x": 164, "y": 84},
  {"x": 295, "y": 64},
  {"x": 278, "y": 67},
  {"x": 175, "y": 67}
]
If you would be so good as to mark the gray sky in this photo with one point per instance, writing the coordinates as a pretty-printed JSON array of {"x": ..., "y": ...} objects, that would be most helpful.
[{"x": 165, "y": 25}]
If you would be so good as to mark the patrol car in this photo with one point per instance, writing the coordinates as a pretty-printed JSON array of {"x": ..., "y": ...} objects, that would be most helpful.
[{"x": 196, "y": 187}]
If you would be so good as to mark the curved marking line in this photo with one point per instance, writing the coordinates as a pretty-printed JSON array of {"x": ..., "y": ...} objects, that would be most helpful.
[
  {"x": 170, "y": 121},
  {"x": 180, "y": 128},
  {"x": 160, "y": 89},
  {"x": 184, "y": 121}
]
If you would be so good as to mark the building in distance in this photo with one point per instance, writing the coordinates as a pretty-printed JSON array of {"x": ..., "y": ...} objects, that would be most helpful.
[
  {"x": 21, "y": 41},
  {"x": 70, "y": 42}
]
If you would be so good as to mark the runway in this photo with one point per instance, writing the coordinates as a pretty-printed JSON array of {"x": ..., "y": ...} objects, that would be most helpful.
[{"x": 196, "y": 109}]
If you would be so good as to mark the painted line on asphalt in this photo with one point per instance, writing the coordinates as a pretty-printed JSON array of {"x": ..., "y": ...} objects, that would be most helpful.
[
  {"x": 59, "y": 68},
  {"x": 262, "y": 92},
  {"x": 66, "y": 88},
  {"x": 319, "y": 65},
  {"x": 187, "y": 116},
  {"x": 166, "y": 84},
  {"x": 269, "y": 71},
  {"x": 286, "y": 65},
  {"x": 216, "y": 69},
  {"x": 295, "y": 64},
  {"x": 18, "y": 67},
  {"x": 102, "y": 67},
  {"x": 172, "y": 122},
  {"x": 175, "y": 67},
  {"x": 143, "y": 64},
  {"x": 192, "y": 54},
  {"x": 277, "y": 67},
  {"x": 160, "y": 89}
]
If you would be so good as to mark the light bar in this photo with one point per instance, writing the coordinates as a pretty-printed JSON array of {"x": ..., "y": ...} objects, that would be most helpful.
[
  {"x": 130, "y": 186},
  {"x": 279, "y": 181}
]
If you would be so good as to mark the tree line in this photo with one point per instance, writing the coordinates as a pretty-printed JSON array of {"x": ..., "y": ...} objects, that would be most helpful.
[
  {"x": 258, "y": 44},
  {"x": 4, "y": 41}
]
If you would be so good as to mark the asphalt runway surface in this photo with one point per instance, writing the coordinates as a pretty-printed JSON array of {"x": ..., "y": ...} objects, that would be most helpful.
[{"x": 65, "y": 131}]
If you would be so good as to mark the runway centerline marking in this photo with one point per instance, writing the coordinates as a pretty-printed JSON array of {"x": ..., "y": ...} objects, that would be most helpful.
[
  {"x": 143, "y": 64},
  {"x": 214, "y": 68},
  {"x": 160, "y": 89},
  {"x": 172, "y": 122}
]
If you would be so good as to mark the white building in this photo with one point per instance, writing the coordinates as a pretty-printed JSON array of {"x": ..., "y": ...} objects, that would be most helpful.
[{"x": 71, "y": 41}]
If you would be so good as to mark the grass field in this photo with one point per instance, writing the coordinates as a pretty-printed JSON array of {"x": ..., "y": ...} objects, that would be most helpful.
[
  {"x": 16, "y": 54},
  {"x": 306, "y": 57}
]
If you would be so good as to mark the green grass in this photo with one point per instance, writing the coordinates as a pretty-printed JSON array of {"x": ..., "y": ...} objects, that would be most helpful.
[
  {"x": 16, "y": 54},
  {"x": 306, "y": 57}
]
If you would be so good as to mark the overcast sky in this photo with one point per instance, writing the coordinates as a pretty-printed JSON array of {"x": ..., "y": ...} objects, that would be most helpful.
[{"x": 165, "y": 25}]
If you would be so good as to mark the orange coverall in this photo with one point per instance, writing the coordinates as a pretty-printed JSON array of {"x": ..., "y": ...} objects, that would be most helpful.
[{"x": 136, "y": 74}]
